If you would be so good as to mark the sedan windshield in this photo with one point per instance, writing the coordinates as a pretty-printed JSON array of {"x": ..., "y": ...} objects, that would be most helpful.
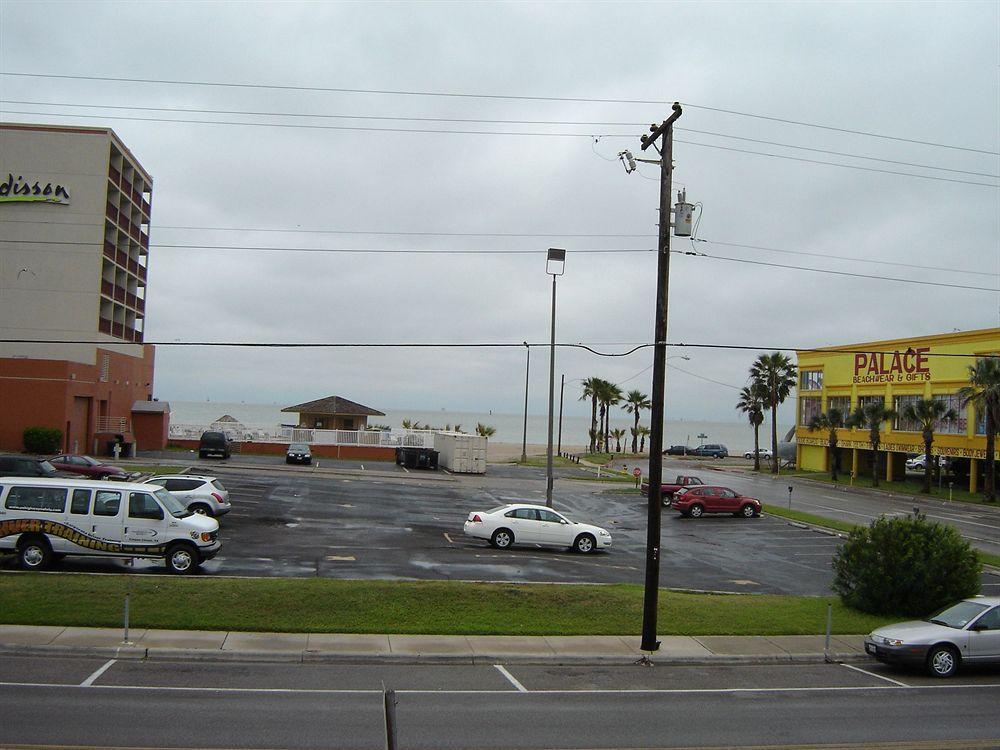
[
  {"x": 298, "y": 447},
  {"x": 958, "y": 615},
  {"x": 173, "y": 506},
  {"x": 47, "y": 467}
]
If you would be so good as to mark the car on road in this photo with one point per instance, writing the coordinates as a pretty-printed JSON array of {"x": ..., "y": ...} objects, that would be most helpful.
[
  {"x": 966, "y": 632},
  {"x": 214, "y": 444},
  {"x": 764, "y": 453},
  {"x": 26, "y": 466},
  {"x": 206, "y": 496},
  {"x": 677, "y": 450},
  {"x": 298, "y": 453},
  {"x": 715, "y": 450},
  {"x": 919, "y": 463},
  {"x": 667, "y": 489},
  {"x": 697, "y": 501},
  {"x": 524, "y": 523},
  {"x": 88, "y": 467}
]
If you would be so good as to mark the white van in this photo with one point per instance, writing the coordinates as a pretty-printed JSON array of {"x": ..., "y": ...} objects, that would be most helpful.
[{"x": 46, "y": 519}]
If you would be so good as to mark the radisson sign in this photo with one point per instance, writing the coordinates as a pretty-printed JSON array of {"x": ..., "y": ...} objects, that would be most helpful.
[{"x": 20, "y": 190}]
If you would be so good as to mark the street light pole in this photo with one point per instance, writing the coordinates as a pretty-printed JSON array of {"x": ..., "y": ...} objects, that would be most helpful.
[
  {"x": 524, "y": 438},
  {"x": 555, "y": 264},
  {"x": 651, "y": 592},
  {"x": 562, "y": 388}
]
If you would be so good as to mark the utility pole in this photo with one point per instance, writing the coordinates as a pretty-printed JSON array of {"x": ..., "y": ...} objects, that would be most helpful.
[
  {"x": 524, "y": 438},
  {"x": 562, "y": 387},
  {"x": 666, "y": 130}
]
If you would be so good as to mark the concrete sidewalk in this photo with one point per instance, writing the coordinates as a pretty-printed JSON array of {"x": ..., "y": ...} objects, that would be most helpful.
[{"x": 424, "y": 649}]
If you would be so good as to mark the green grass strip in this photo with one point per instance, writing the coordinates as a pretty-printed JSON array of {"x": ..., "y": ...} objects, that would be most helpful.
[
  {"x": 440, "y": 608},
  {"x": 798, "y": 515}
]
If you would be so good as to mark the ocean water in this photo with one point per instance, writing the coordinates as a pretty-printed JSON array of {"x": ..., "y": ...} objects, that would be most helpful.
[{"x": 737, "y": 436}]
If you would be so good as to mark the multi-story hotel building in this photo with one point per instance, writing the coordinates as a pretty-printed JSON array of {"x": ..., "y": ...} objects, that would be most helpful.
[
  {"x": 895, "y": 372},
  {"x": 74, "y": 249}
]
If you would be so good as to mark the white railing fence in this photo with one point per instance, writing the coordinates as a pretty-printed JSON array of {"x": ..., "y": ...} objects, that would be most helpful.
[
  {"x": 241, "y": 433},
  {"x": 113, "y": 424}
]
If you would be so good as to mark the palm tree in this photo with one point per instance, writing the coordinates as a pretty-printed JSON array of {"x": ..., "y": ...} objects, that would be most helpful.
[
  {"x": 776, "y": 375},
  {"x": 872, "y": 415},
  {"x": 618, "y": 433},
  {"x": 983, "y": 392},
  {"x": 595, "y": 438},
  {"x": 927, "y": 412},
  {"x": 635, "y": 402},
  {"x": 643, "y": 432},
  {"x": 831, "y": 421},
  {"x": 590, "y": 388},
  {"x": 751, "y": 403},
  {"x": 484, "y": 430},
  {"x": 611, "y": 395}
]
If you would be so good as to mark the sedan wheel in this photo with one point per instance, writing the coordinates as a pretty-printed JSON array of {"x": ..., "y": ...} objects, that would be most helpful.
[
  {"x": 585, "y": 543},
  {"x": 502, "y": 538},
  {"x": 748, "y": 511},
  {"x": 696, "y": 511},
  {"x": 942, "y": 661}
]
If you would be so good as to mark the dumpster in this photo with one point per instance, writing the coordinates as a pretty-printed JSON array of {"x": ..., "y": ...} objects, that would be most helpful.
[{"x": 417, "y": 458}]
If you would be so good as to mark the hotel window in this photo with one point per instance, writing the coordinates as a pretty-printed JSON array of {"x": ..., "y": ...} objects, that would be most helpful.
[
  {"x": 864, "y": 401},
  {"x": 902, "y": 424},
  {"x": 809, "y": 409},
  {"x": 841, "y": 404},
  {"x": 811, "y": 380},
  {"x": 955, "y": 426}
]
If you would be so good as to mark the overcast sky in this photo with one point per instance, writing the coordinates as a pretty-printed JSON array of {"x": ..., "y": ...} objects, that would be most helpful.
[{"x": 919, "y": 71}]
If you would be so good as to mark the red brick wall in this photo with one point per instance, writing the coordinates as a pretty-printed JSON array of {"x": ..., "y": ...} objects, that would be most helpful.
[
  {"x": 150, "y": 430},
  {"x": 348, "y": 452}
]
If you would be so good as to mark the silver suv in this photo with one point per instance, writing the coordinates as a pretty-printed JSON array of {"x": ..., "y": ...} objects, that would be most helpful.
[{"x": 204, "y": 495}]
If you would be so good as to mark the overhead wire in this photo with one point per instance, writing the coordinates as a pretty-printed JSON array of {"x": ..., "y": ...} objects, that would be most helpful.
[
  {"x": 481, "y": 121},
  {"x": 510, "y": 97}
]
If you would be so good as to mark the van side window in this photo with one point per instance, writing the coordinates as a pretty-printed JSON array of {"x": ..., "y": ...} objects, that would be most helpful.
[
  {"x": 107, "y": 503},
  {"x": 81, "y": 502},
  {"x": 141, "y": 505},
  {"x": 47, "y": 499}
]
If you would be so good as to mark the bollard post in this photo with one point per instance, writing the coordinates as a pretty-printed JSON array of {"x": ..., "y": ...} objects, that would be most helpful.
[
  {"x": 389, "y": 702},
  {"x": 829, "y": 620},
  {"x": 951, "y": 486},
  {"x": 125, "y": 640}
]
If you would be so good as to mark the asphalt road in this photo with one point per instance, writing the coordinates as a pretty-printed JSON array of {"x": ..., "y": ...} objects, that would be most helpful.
[{"x": 96, "y": 702}]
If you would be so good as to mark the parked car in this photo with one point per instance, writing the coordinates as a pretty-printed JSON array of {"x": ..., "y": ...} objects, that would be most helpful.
[
  {"x": 47, "y": 519},
  {"x": 764, "y": 453},
  {"x": 26, "y": 466},
  {"x": 677, "y": 450},
  {"x": 87, "y": 466},
  {"x": 200, "y": 494},
  {"x": 715, "y": 450},
  {"x": 697, "y": 501},
  {"x": 298, "y": 453},
  {"x": 214, "y": 444},
  {"x": 919, "y": 463},
  {"x": 523, "y": 523},
  {"x": 667, "y": 489},
  {"x": 965, "y": 632}
]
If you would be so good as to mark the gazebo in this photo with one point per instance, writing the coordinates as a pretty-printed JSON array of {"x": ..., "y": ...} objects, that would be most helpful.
[{"x": 333, "y": 413}]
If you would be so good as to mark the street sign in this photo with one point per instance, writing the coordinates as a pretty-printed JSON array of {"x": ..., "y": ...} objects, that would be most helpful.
[{"x": 637, "y": 472}]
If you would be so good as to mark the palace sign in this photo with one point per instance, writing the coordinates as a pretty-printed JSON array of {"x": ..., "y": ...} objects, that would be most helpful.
[
  {"x": 20, "y": 190},
  {"x": 892, "y": 367}
]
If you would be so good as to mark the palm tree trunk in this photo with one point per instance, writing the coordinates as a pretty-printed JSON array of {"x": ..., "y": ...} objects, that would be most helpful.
[
  {"x": 928, "y": 442},
  {"x": 774, "y": 439},
  {"x": 988, "y": 485},
  {"x": 593, "y": 424},
  {"x": 635, "y": 433},
  {"x": 873, "y": 439},
  {"x": 756, "y": 447},
  {"x": 834, "y": 458}
]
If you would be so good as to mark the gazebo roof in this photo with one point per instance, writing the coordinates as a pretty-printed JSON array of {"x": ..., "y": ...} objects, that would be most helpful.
[{"x": 335, "y": 405}]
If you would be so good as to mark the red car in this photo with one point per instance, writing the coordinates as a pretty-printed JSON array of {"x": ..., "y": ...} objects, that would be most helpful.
[
  {"x": 697, "y": 501},
  {"x": 89, "y": 467}
]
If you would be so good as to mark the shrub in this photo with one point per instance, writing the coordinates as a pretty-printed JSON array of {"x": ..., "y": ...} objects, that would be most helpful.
[
  {"x": 42, "y": 439},
  {"x": 905, "y": 566}
]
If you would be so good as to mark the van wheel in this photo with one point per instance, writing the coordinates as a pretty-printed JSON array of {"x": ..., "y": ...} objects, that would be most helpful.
[
  {"x": 202, "y": 454},
  {"x": 182, "y": 559},
  {"x": 34, "y": 553}
]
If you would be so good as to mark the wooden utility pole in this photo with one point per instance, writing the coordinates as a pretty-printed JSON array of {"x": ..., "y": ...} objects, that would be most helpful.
[{"x": 666, "y": 130}]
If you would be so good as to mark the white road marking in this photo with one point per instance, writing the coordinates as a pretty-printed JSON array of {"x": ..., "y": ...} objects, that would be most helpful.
[
  {"x": 872, "y": 674},
  {"x": 362, "y": 467},
  {"x": 405, "y": 469},
  {"x": 90, "y": 680},
  {"x": 963, "y": 521},
  {"x": 452, "y": 541},
  {"x": 340, "y": 558},
  {"x": 521, "y": 688}
]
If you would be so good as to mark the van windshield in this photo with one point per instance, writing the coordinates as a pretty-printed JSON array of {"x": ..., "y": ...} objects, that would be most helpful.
[{"x": 171, "y": 504}]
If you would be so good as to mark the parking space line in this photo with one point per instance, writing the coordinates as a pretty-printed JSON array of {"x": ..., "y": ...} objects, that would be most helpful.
[
  {"x": 90, "y": 680},
  {"x": 872, "y": 674},
  {"x": 521, "y": 688},
  {"x": 405, "y": 469},
  {"x": 450, "y": 540}
]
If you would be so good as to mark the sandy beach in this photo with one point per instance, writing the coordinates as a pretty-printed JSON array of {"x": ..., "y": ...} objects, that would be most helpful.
[{"x": 501, "y": 452}]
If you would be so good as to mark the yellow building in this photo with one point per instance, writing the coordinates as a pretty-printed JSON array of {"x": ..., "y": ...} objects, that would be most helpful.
[{"x": 898, "y": 372}]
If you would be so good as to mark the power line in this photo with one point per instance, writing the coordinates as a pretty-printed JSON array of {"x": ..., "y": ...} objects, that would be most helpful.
[
  {"x": 510, "y": 97},
  {"x": 491, "y": 345},
  {"x": 479, "y": 121}
]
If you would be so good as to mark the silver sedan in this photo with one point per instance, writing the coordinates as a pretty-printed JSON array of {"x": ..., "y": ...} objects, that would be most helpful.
[{"x": 965, "y": 632}]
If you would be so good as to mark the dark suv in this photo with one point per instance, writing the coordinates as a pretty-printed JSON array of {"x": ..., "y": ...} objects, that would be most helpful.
[
  {"x": 26, "y": 466},
  {"x": 214, "y": 444},
  {"x": 715, "y": 450}
]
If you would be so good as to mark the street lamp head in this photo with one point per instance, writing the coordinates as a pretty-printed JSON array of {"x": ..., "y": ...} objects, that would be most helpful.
[{"x": 555, "y": 262}]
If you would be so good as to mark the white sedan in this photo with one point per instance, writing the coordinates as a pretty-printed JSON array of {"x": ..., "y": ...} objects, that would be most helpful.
[{"x": 534, "y": 524}]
